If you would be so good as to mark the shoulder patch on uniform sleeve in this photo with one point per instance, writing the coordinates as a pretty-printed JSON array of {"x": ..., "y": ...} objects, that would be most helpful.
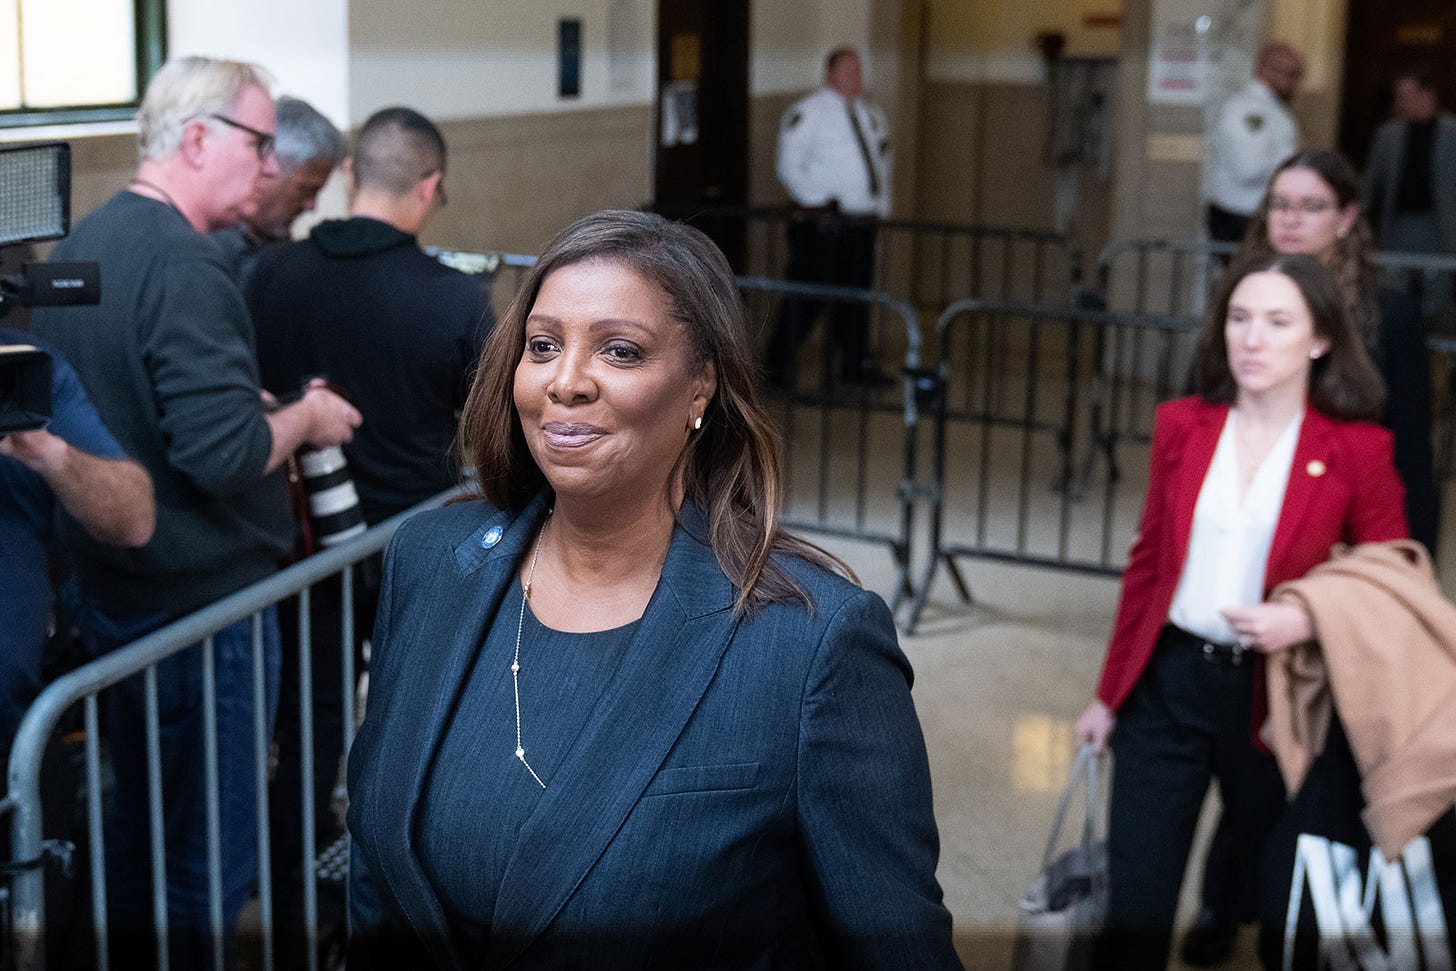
[{"x": 794, "y": 118}]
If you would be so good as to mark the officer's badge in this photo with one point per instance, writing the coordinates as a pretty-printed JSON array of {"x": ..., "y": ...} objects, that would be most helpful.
[{"x": 1255, "y": 122}]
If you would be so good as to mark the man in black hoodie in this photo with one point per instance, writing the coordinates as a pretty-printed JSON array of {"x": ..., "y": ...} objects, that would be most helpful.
[{"x": 360, "y": 304}]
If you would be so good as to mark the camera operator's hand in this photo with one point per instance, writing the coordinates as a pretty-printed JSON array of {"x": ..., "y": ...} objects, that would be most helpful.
[
  {"x": 334, "y": 419},
  {"x": 320, "y": 418},
  {"x": 110, "y": 498},
  {"x": 40, "y": 451}
]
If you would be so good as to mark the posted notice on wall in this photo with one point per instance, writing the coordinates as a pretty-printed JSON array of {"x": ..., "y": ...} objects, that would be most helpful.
[{"x": 1178, "y": 67}]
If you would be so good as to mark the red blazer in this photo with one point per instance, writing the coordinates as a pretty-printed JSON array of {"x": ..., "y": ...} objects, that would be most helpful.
[{"x": 1343, "y": 488}]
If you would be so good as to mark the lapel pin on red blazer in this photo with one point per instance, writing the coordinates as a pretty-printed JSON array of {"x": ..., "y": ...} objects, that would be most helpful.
[{"x": 1315, "y": 468}]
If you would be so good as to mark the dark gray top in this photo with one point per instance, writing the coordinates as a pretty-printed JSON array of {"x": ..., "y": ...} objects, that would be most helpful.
[
  {"x": 476, "y": 774},
  {"x": 168, "y": 360}
]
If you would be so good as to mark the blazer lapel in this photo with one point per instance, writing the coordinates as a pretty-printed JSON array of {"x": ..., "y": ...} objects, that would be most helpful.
[
  {"x": 668, "y": 667},
  {"x": 1307, "y": 475},
  {"x": 469, "y": 588},
  {"x": 1193, "y": 465}
]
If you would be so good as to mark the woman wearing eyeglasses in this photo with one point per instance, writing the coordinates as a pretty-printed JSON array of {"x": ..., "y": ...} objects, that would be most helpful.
[{"x": 1313, "y": 207}]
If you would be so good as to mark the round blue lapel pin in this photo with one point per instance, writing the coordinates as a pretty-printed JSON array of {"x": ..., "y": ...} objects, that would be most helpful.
[{"x": 492, "y": 536}]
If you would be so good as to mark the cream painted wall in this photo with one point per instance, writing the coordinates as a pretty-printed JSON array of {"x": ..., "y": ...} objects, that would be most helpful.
[
  {"x": 308, "y": 59},
  {"x": 994, "y": 40},
  {"x": 485, "y": 58},
  {"x": 1316, "y": 28}
]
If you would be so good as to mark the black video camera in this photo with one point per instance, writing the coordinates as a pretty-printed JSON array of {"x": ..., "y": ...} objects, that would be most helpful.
[
  {"x": 25, "y": 388},
  {"x": 35, "y": 205}
]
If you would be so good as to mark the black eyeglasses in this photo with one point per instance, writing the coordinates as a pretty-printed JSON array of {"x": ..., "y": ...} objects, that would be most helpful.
[{"x": 264, "y": 144}]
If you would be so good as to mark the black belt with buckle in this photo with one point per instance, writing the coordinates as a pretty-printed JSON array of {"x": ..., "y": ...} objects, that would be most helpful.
[{"x": 1229, "y": 655}]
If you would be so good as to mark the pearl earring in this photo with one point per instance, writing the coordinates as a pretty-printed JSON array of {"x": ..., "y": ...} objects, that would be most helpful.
[
  {"x": 1314, "y": 355},
  {"x": 697, "y": 423}
]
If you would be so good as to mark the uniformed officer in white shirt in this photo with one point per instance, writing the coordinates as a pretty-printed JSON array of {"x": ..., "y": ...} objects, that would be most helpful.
[
  {"x": 834, "y": 159},
  {"x": 1254, "y": 133}
]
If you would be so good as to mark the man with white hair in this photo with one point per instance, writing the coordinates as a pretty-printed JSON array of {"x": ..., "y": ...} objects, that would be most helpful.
[
  {"x": 168, "y": 360},
  {"x": 307, "y": 147}
]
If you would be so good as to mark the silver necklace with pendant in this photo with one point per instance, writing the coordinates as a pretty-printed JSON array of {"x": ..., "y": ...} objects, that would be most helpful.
[{"x": 516, "y": 659}]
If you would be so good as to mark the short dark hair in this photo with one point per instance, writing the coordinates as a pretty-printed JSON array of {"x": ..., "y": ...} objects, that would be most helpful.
[
  {"x": 396, "y": 148},
  {"x": 831, "y": 61},
  {"x": 1344, "y": 382},
  {"x": 730, "y": 468},
  {"x": 1421, "y": 72}
]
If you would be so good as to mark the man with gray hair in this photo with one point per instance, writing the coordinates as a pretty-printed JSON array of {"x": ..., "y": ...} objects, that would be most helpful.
[
  {"x": 307, "y": 147},
  {"x": 168, "y": 360}
]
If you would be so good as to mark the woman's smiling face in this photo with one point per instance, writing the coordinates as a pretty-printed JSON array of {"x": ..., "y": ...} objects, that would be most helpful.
[{"x": 608, "y": 385}]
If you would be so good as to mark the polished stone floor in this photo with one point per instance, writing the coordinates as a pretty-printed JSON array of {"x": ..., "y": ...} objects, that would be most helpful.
[{"x": 998, "y": 686}]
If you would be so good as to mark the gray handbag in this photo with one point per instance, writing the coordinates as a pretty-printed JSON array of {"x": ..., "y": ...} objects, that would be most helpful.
[{"x": 1063, "y": 909}]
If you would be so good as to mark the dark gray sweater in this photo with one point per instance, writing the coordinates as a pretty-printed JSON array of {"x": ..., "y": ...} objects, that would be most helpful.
[{"x": 168, "y": 359}]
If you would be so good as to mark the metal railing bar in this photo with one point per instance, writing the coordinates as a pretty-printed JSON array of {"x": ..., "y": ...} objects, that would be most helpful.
[
  {"x": 260, "y": 793},
  {"x": 214, "y": 811},
  {"x": 157, "y": 831},
  {"x": 97, "y": 849},
  {"x": 305, "y": 770}
]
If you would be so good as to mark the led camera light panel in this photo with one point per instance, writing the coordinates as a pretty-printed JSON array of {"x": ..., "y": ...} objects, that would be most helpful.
[{"x": 35, "y": 192}]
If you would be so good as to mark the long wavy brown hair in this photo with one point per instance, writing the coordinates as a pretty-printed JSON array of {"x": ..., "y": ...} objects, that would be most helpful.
[
  {"x": 1351, "y": 264},
  {"x": 730, "y": 468}
]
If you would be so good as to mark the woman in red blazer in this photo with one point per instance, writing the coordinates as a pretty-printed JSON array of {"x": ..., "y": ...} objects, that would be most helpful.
[{"x": 1250, "y": 484}]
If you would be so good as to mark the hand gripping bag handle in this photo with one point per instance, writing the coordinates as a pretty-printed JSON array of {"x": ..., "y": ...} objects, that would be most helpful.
[{"x": 1087, "y": 765}]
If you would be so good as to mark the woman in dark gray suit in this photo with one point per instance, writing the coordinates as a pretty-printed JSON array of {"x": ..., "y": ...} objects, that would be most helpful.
[{"x": 617, "y": 718}]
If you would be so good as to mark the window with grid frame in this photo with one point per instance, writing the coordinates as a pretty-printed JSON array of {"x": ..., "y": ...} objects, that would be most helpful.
[{"x": 77, "y": 60}]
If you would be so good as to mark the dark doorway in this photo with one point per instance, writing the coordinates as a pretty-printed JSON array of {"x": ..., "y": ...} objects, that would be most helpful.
[
  {"x": 1383, "y": 37},
  {"x": 702, "y": 113}
]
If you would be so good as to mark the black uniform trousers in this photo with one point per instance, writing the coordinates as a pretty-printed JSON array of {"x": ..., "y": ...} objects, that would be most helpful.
[
  {"x": 832, "y": 249},
  {"x": 1188, "y": 721}
]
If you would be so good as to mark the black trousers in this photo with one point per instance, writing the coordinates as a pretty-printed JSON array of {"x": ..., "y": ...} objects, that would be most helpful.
[
  {"x": 1225, "y": 226},
  {"x": 834, "y": 250},
  {"x": 1187, "y": 722}
]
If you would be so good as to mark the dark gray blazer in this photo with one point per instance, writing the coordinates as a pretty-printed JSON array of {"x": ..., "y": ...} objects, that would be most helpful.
[
  {"x": 748, "y": 792},
  {"x": 1382, "y": 178}
]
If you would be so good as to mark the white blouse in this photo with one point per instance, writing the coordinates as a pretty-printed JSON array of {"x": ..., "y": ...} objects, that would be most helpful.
[{"x": 1228, "y": 548}]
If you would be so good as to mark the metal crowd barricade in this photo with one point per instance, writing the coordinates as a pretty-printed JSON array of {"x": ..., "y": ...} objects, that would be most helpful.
[
  {"x": 30, "y": 849},
  {"x": 834, "y": 433},
  {"x": 1014, "y": 406},
  {"x": 1160, "y": 276},
  {"x": 1430, "y": 278},
  {"x": 1176, "y": 277},
  {"x": 490, "y": 266},
  {"x": 927, "y": 263}
]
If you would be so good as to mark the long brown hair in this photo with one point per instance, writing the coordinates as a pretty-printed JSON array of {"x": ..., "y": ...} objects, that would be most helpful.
[
  {"x": 1351, "y": 265},
  {"x": 730, "y": 468},
  {"x": 1343, "y": 383}
]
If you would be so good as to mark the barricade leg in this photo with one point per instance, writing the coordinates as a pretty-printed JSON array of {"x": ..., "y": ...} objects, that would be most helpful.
[
  {"x": 336, "y": 616},
  {"x": 161, "y": 791}
]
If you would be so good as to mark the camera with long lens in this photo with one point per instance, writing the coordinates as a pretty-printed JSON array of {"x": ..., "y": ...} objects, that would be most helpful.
[
  {"x": 35, "y": 206},
  {"x": 334, "y": 513}
]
